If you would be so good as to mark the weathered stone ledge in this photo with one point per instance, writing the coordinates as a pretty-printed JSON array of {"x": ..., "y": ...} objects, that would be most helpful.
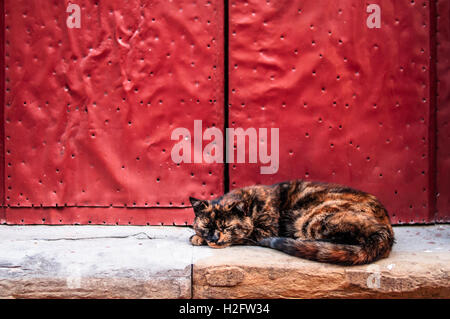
[{"x": 159, "y": 262}]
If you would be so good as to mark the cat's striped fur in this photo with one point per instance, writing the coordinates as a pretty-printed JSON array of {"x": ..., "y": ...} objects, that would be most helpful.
[{"x": 317, "y": 221}]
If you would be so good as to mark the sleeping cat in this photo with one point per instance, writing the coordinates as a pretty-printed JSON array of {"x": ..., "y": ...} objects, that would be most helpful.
[{"x": 317, "y": 221}]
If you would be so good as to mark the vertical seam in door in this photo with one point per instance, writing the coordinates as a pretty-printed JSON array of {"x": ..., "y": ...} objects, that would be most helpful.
[{"x": 226, "y": 172}]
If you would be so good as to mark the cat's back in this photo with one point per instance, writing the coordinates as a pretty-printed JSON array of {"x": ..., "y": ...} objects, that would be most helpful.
[{"x": 305, "y": 196}]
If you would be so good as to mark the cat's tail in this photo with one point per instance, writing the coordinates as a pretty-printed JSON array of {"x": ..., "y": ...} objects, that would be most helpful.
[{"x": 376, "y": 247}]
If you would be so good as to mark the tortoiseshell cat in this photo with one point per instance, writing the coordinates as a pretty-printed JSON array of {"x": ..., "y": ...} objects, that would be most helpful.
[{"x": 317, "y": 221}]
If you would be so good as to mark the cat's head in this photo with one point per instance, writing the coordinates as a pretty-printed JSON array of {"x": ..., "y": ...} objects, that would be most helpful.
[{"x": 221, "y": 224}]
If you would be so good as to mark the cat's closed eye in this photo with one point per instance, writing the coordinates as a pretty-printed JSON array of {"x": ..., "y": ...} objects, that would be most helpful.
[{"x": 231, "y": 228}]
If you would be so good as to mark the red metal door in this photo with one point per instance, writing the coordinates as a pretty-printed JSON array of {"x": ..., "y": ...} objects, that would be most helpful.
[
  {"x": 89, "y": 111},
  {"x": 352, "y": 103}
]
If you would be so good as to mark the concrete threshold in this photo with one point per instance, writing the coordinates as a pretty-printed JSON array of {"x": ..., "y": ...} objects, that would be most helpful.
[{"x": 159, "y": 262}]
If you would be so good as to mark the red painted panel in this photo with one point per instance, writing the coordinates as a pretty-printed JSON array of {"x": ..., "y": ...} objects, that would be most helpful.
[
  {"x": 2, "y": 104},
  {"x": 89, "y": 112},
  {"x": 99, "y": 216},
  {"x": 351, "y": 103},
  {"x": 443, "y": 111}
]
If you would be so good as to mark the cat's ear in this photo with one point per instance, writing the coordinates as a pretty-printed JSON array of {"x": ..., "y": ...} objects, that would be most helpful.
[{"x": 198, "y": 204}]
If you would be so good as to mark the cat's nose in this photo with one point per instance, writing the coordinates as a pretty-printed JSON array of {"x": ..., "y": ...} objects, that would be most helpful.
[{"x": 214, "y": 237}]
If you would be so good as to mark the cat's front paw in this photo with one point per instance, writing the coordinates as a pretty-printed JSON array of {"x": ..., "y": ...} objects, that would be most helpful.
[{"x": 197, "y": 240}]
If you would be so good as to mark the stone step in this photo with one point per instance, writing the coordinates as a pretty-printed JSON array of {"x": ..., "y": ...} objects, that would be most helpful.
[{"x": 159, "y": 262}]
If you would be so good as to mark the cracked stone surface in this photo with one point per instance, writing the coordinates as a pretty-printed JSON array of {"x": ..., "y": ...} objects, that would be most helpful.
[
  {"x": 159, "y": 262},
  {"x": 95, "y": 262},
  {"x": 418, "y": 267}
]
